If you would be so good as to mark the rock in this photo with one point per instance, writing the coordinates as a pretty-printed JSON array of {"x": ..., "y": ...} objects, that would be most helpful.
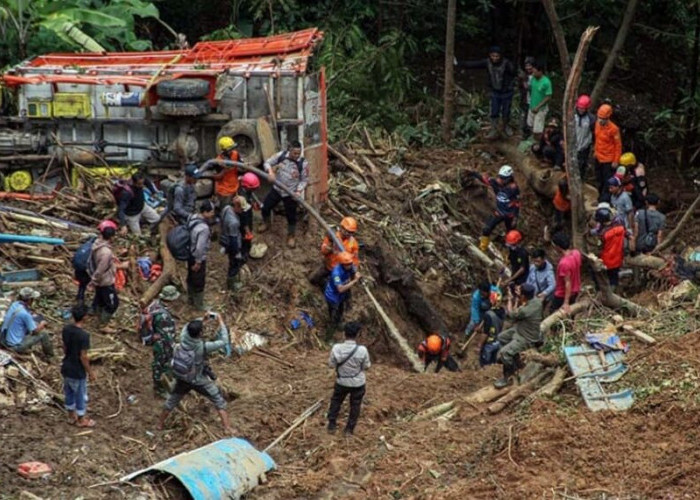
[
  {"x": 26, "y": 495},
  {"x": 12, "y": 371}
]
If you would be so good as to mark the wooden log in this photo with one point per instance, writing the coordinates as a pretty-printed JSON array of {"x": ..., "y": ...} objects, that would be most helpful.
[
  {"x": 517, "y": 393},
  {"x": 533, "y": 356},
  {"x": 670, "y": 238},
  {"x": 299, "y": 420},
  {"x": 645, "y": 261},
  {"x": 410, "y": 354},
  {"x": 486, "y": 394},
  {"x": 647, "y": 339},
  {"x": 551, "y": 320},
  {"x": 169, "y": 266},
  {"x": 46, "y": 260},
  {"x": 346, "y": 161},
  {"x": 433, "y": 411},
  {"x": 553, "y": 386}
]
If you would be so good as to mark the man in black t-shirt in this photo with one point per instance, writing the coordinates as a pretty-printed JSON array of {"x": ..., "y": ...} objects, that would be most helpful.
[
  {"x": 75, "y": 368},
  {"x": 517, "y": 257}
]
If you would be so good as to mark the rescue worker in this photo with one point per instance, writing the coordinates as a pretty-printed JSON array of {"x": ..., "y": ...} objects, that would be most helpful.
[
  {"x": 437, "y": 348},
  {"x": 562, "y": 204},
  {"x": 551, "y": 145},
  {"x": 517, "y": 257},
  {"x": 184, "y": 195},
  {"x": 540, "y": 95},
  {"x": 346, "y": 235},
  {"x": 480, "y": 296},
  {"x": 132, "y": 207},
  {"x": 158, "y": 330},
  {"x": 350, "y": 362},
  {"x": 502, "y": 77},
  {"x": 607, "y": 148},
  {"x": 291, "y": 170},
  {"x": 649, "y": 226},
  {"x": 226, "y": 177},
  {"x": 507, "y": 202},
  {"x": 103, "y": 278},
  {"x": 200, "y": 239},
  {"x": 634, "y": 180},
  {"x": 612, "y": 235},
  {"x": 487, "y": 344},
  {"x": 249, "y": 183},
  {"x": 525, "y": 311},
  {"x": 584, "y": 125},
  {"x": 231, "y": 241},
  {"x": 342, "y": 278}
]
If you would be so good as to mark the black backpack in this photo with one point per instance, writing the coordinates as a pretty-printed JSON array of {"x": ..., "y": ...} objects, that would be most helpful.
[
  {"x": 82, "y": 259},
  {"x": 179, "y": 239}
]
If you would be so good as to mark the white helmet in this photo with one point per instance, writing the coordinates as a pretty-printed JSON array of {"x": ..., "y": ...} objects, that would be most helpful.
[{"x": 505, "y": 171}]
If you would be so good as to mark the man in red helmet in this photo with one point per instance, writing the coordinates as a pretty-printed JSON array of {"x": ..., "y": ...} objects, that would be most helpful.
[
  {"x": 437, "y": 348},
  {"x": 608, "y": 148},
  {"x": 584, "y": 124},
  {"x": 346, "y": 234},
  {"x": 248, "y": 185}
]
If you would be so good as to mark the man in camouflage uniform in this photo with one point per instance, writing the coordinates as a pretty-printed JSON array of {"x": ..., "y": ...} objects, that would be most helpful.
[{"x": 158, "y": 330}]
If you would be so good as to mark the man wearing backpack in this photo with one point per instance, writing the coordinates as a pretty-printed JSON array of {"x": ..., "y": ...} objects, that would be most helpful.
[
  {"x": 158, "y": 330},
  {"x": 131, "y": 205},
  {"x": 291, "y": 170},
  {"x": 192, "y": 371},
  {"x": 21, "y": 329},
  {"x": 104, "y": 272},
  {"x": 649, "y": 225},
  {"x": 350, "y": 361},
  {"x": 231, "y": 241},
  {"x": 184, "y": 195},
  {"x": 200, "y": 239}
]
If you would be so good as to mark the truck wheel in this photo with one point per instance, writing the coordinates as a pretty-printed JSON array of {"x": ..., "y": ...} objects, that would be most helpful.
[
  {"x": 184, "y": 108},
  {"x": 245, "y": 133},
  {"x": 183, "y": 88}
]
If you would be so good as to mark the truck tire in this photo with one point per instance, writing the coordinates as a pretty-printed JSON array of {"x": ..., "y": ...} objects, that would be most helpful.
[
  {"x": 245, "y": 133},
  {"x": 184, "y": 108},
  {"x": 183, "y": 88}
]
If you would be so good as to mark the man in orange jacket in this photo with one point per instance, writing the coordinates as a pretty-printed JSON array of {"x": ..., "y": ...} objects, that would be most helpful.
[
  {"x": 608, "y": 148},
  {"x": 346, "y": 234},
  {"x": 226, "y": 178},
  {"x": 437, "y": 348}
]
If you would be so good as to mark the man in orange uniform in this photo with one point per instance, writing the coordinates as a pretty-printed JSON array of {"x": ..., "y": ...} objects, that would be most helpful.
[
  {"x": 227, "y": 177},
  {"x": 608, "y": 148},
  {"x": 613, "y": 234},
  {"x": 437, "y": 348},
  {"x": 346, "y": 234}
]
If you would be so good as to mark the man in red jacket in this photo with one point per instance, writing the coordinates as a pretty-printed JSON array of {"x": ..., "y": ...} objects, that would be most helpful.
[
  {"x": 613, "y": 236},
  {"x": 608, "y": 148}
]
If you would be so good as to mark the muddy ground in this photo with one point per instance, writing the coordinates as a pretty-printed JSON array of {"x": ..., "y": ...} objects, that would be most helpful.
[{"x": 551, "y": 448}]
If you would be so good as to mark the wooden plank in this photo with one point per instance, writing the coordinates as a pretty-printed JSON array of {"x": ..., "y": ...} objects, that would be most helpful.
[
  {"x": 647, "y": 339},
  {"x": 268, "y": 143}
]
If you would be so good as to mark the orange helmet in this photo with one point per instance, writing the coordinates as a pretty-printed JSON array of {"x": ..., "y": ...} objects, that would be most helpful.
[
  {"x": 349, "y": 224},
  {"x": 345, "y": 258},
  {"x": 605, "y": 111},
  {"x": 514, "y": 237},
  {"x": 434, "y": 343}
]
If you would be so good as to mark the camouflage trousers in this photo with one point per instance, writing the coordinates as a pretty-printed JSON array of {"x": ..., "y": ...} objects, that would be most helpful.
[{"x": 162, "y": 356}]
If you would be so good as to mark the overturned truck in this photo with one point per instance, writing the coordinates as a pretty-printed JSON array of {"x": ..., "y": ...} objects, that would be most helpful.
[{"x": 112, "y": 113}]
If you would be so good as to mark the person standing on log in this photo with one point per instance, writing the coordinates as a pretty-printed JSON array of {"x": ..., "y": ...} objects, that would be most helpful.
[
  {"x": 437, "y": 348},
  {"x": 518, "y": 258},
  {"x": 584, "y": 125},
  {"x": 291, "y": 170},
  {"x": 132, "y": 206},
  {"x": 350, "y": 362},
  {"x": 22, "y": 329},
  {"x": 231, "y": 241},
  {"x": 568, "y": 275},
  {"x": 346, "y": 235},
  {"x": 525, "y": 311},
  {"x": 540, "y": 95},
  {"x": 607, "y": 148},
  {"x": 502, "y": 76},
  {"x": 104, "y": 276},
  {"x": 342, "y": 278},
  {"x": 507, "y": 202},
  {"x": 226, "y": 177},
  {"x": 200, "y": 240},
  {"x": 649, "y": 226},
  {"x": 612, "y": 233}
]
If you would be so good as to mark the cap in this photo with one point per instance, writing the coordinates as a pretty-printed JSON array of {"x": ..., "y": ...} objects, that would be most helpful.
[
  {"x": 191, "y": 170},
  {"x": 528, "y": 289},
  {"x": 169, "y": 293},
  {"x": 27, "y": 293},
  {"x": 614, "y": 181}
]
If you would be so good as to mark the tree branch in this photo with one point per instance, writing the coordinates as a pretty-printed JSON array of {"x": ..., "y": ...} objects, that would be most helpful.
[
  {"x": 668, "y": 241},
  {"x": 559, "y": 36}
]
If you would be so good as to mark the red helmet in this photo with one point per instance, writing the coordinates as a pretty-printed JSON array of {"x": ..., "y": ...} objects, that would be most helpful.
[
  {"x": 434, "y": 343},
  {"x": 106, "y": 224},
  {"x": 250, "y": 181},
  {"x": 514, "y": 237},
  {"x": 583, "y": 101}
]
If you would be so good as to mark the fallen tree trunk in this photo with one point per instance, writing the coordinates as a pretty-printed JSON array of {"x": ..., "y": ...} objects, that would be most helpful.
[
  {"x": 533, "y": 356},
  {"x": 670, "y": 238},
  {"x": 517, "y": 393},
  {"x": 486, "y": 394},
  {"x": 553, "y": 386},
  {"x": 551, "y": 320},
  {"x": 645, "y": 261},
  {"x": 169, "y": 266},
  {"x": 433, "y": 411}
]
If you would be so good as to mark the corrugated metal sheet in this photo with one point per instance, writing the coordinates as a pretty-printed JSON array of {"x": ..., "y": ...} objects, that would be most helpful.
[{"x": 229, "y": 468}]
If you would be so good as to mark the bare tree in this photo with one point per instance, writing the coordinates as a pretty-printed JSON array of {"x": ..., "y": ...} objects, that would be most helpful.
[
  {"x": 449, "y": 102},
  {"x": 615, "y": 51},
  {"x": 559, "y": 36}
]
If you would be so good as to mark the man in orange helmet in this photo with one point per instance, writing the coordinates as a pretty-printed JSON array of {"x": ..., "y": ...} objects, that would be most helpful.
[
  {"x": 607, "y": 147},
  {"x": 342, "y": 278},
  {"x": 346, "y": 234},
  {"x": 437, "y": 348}
]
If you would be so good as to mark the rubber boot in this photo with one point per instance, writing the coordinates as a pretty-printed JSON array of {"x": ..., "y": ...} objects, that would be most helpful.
[
  {"x": 265, "y": 226},
  {"x": 493, "y": 133},
  {"x": 190, "y": 296},
  {"x": 291, "y": 241},
  {"x": 507, "y": 378},
  {"x": 484, "y": 243},
  {"x": 507, "y": 129},
  {"x": 233, "y": 284},
  {"x": 198, "y": 301}
]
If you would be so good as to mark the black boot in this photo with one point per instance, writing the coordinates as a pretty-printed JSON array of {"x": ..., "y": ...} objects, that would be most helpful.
[{"x": 508, "y": 371}]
